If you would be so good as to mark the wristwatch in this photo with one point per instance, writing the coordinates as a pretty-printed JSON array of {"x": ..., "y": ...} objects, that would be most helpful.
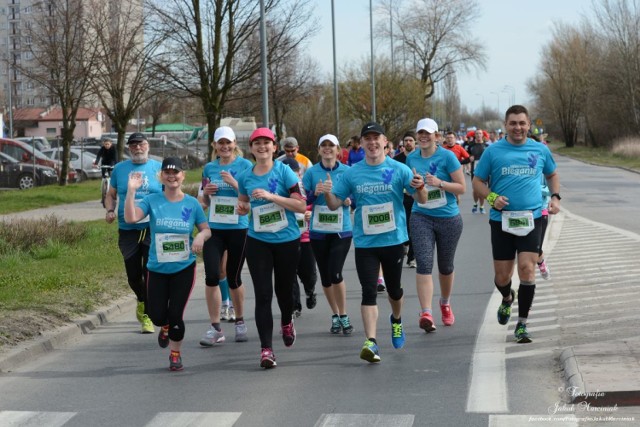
[
  {"x": 557, "y": 196},
  {"x": 441, "y": 185}
]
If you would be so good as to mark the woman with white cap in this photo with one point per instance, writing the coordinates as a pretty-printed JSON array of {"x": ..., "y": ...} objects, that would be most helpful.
[
  {"x": 436, "y": 222},
  {"x": 172, "y": 260},
  {"x": 220, "y": 194},
  {"x": 273, "y": 194},
  {"x": 330, "y": 231}
]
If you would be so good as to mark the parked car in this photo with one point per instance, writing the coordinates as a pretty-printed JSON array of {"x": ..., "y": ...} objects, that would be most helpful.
[
  {"x": 25, "y": 153},
  {"x": 81, "y": 161},
  {"x": 191, "y": 156},
  {"x": 40, "y": 142},
  {"x": 20, "y": 175}
]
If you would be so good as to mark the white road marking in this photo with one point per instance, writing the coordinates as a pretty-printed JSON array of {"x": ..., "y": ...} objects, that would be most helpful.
[
  {"x": 34, "y": 419},
  {"x": 364, "y": 420},
  {"x": 194, "y": 419}
]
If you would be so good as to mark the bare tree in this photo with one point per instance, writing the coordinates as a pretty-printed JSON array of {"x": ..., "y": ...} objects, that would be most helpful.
[
  {"x": 156, "y": 106},
  {"x": 212, "y": 45},
  {"x": 62, "y": 62},
  {"x": 399, "y": 97},
  {"x": 123, "y": 80},
  {"x": 434, "y": 38},
  {"x": 618, "y": 22},
  {"x": 565, "y": 79}
]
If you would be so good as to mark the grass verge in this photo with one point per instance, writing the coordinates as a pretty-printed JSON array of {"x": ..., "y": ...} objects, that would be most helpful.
[{"x": 42, "y": 284}]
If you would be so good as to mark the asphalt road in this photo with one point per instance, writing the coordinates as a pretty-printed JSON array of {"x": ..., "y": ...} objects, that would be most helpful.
[{"x": 115, "y": 376}]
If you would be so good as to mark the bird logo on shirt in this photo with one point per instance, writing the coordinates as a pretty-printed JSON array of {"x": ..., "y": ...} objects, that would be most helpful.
[
  {"x": 387, "y": 175},
  {"x": 186, "y": 213},
  {"x": 273, "y": 185},
  {"x": 532, "y": 160},
  {"x": 433, "y": 168}
]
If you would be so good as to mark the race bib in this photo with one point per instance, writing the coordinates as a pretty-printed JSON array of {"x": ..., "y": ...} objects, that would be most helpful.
[
  {"x": 324, "y": 219},
  {"x": 377, "y": 219},
  {"x": 302, "y": 224},
  {"x": 518, "y": 223},
  {"x": 269, "y": 218},
  {"x": 172, "y": 247},
  {"x": 436, "y": 198},
  {"x": 223, "y": 210}
]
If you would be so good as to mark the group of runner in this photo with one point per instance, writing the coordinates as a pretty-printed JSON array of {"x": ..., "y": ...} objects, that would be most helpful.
[{"x": 269, "y": 238}]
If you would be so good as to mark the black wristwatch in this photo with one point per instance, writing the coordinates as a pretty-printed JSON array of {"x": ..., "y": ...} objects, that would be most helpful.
[{"x": 557, "y": 196}]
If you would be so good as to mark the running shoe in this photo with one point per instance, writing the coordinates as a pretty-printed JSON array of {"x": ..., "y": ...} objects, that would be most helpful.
[
  {"x": 521, "y": 333},
  {"x": 163, "y": 337},
  {"x": 140, "y": 311},
  {"x": 288, "y": 334},
  {"x": 224, "y": 312},
  {"x": 212, "y": 337},
  {"x": 311, "y": 300},
  {"x": 370, "y": 352},
  {"x": 482, "y": 210},
  {"x": 447, "y": 315},
  {"x": 412, "y": 263},
  {"x": 175, "y": 361},
  {"x": 504, "y": 311},
  {"x": 347, "y": 327},
  {"x": 426, "y": 322},
  {"x": 381, "y": 287},
  {"x": 336, "y": 325},
  {"x": 544, "y": 270},
  {"x": 232, "y": 314},
  {"x": 241, "y": 332},
  {"x": 474, "y": 209},
  {"x": 397, "y": 333},
  {"x": 267, "y": 359},
  {"x": 147, "y": 325}
]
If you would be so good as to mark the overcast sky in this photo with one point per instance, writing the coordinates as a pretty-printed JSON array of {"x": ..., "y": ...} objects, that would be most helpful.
[{"x": 512, "y": 31}]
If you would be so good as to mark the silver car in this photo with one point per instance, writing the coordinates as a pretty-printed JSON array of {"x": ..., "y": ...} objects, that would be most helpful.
[{"x": 86, "y": 169}]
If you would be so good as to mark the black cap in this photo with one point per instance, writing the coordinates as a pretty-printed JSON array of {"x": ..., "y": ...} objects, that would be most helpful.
[
  {"x": 292, "y": 163},
  {"x": 136, "y": 137},
  {"x": 172, "y": 163},
  {"x": 371, "y": 127}
]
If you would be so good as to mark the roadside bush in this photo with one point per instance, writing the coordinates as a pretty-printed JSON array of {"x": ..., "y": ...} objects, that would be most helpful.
[
  {"x": 42, "y": 237},
  {"x": 627, "y": 147}
]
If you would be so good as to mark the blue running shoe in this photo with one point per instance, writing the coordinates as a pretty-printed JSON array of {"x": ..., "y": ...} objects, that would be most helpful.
[
  {"x": 504, "y": 311},
  {"x": 369, "y": 352},
  {"x": 521, "y": 334},
  {"x": 397, "y": 333}
]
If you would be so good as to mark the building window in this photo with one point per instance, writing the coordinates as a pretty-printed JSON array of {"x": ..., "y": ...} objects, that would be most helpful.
[{"x": 51, "y": 131}]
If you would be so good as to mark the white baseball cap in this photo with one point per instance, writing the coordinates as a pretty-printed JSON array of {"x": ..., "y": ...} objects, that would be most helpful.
[
  {"x": 427, "y": 124},
  {"x": 224, "y": 132},
  {"x": 329, "y": 137}
]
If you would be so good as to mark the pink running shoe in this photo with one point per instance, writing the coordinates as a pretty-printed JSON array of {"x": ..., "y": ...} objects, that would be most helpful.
[
  {"x": 426, "y": 322},
  {"x": 544, "y": 270},
  {"x": 288, "y": 334},
  {"x": 267, "y": 359},
  {"x": 447, "y": 315}
]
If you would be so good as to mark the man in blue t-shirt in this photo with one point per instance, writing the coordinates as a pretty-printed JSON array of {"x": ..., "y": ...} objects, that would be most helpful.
[
  {"x": 134, "y": 239},
  {"x": 508, "y": 176},
  {"x": 377, "y": 184}
]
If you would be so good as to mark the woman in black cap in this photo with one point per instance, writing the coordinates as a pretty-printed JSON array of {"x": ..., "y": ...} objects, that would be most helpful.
[{"x": 172, "y": 260}]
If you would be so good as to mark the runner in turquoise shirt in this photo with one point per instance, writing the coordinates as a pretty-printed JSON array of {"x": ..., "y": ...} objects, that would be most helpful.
[
  {"x": 172, "y": 257},
  {"x": 377, "y": 184},
  {"x": 509, "y": 176}
]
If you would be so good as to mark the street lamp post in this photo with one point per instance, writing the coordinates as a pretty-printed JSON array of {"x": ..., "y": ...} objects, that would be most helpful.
[
  {"x": 497, "y": 101},
  {"x": 484, "y": 119},
  {"x": 373, "y": 77},
  {"x": 335, "y": 73},
  {"x": 512, "y": 93}
]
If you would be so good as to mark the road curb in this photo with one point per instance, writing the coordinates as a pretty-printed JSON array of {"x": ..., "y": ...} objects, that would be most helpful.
[{"x": 62, "y": 336}]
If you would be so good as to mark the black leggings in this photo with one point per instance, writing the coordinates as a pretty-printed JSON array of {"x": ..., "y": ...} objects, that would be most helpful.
[
  {"x": 266, "y": 261},
  {"x": 134, "y": 247},
  {"x": 330, "y": 255},
  {"x": 544, "y": 223},
  {"x": 306, "y": 272},
  {"x": 167, "y": 297},
  {"x": 368, "y": 262},
  {"x": 233, "y": 241}
]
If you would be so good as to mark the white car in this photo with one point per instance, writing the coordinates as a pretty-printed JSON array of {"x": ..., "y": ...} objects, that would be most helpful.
[{"x": 85, "y": 171}]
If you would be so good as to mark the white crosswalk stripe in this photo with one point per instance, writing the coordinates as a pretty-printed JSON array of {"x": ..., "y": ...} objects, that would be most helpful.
[
  {"x": 364, "y": 420},
  {"x": 34, "y": 419},
  {"x": 194, "y": 419}
]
